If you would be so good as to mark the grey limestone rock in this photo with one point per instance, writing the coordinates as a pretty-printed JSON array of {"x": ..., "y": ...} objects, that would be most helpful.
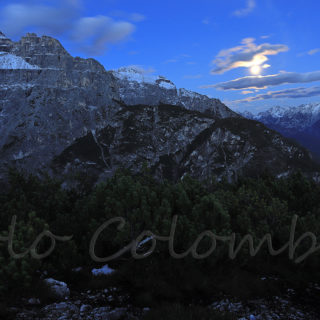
[{"x": 70, "y": 117}]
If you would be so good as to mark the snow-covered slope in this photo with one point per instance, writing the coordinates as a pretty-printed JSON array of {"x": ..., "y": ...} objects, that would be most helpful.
[
  {"x": 11, "y": 61},
  {"x": 138, "y": 75}
]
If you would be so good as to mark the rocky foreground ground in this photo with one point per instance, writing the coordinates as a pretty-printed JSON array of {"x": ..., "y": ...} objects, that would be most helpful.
[{"x": 110, "y": 304}]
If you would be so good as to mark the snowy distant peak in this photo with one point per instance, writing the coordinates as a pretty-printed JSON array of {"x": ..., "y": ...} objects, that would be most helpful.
[
  {"x": 248, "y": 114},
  {"x": 278, "y": 111},
  {"x": 11, "y": 61},
  {"x": 141, "y": 76},
  {"x": 299, "y": 117},
  {"x": 275, "y": 112},
  {"x": 311, "y": 109}
]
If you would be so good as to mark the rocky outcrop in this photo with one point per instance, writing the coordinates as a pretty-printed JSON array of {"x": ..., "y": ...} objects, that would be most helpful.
[
  {"x": 99, "y": 304},
  {"x": 59, "y": 289},
  {"x": 70, "y": 117},
  {"x": 174, "y": 142}
]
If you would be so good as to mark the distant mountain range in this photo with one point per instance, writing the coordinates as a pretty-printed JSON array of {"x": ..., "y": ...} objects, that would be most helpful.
[
  {"x": 73, "y": 119},
  {"x": 301, "y": 123}
]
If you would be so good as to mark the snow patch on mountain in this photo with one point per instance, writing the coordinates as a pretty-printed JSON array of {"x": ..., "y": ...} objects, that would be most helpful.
[
  {"x": 11, "y": 61},
  {"x": 166, "y": 84},
  {"x": 134, "y": 74},
  {"x": 140, "y": 76}
]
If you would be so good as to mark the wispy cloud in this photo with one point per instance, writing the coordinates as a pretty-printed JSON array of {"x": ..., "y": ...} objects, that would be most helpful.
[
  {"x": 250, "y": 5},
  {"x": 313, "y": 51},
  {"x": 246, "y": 55},
  {"x": 310, "y": 52},
  {"x": 205, "y": 21},
  {"x": 92, "y": 35},
  {"x": 246, "y": 92},
  {"x": 262, "y": 82},
  {"x": 293, "y": 93}
]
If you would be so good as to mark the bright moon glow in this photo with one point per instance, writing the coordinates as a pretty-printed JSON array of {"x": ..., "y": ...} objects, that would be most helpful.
[{"x": 255, "y": 70}]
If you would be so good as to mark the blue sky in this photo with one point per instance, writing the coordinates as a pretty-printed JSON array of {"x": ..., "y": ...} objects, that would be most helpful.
[{"x": 251, "y": 54}]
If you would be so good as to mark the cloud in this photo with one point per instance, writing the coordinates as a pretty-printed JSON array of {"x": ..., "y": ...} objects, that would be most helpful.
[
  {"x": 95, "y": 33},
  {"x": 310, "y": 52},
  {"x": 262, "y": 82},
  {"x": 92, "y": 35},
  {"x": 246, "y": 55},
  {"x": 313, "y": 51},
  {"x": 205, "y": 21},
  {"x": 16, "y": 18},
  {"x": 251, "y": 4},
  {"x": 293, "y": 93},
  {"x": 246, "y": 92}
]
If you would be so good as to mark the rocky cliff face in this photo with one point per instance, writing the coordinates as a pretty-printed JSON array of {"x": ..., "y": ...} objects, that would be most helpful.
[
  {"x": 47, "y": 101},
  {"x": 71, "y": 117}
]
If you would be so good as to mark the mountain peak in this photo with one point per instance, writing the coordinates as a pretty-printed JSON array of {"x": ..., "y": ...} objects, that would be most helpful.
[
  {"x": 31, "y": 35},
  {"x": 131, "y": 69},
  {"x": 140, "y": 76},
  {"x": 68, "y": 106}
]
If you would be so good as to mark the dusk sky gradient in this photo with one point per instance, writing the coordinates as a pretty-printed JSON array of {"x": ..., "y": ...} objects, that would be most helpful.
[{"x": 251, "y": 54}]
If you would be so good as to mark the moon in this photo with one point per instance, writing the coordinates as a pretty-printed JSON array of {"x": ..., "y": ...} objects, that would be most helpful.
[{"x": 255, "y": 70}]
